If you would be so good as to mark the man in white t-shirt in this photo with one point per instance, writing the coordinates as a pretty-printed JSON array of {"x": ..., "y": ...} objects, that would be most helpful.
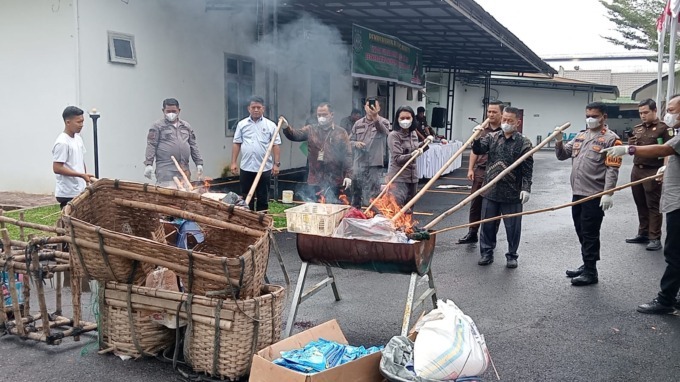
[
  {"x": 251, "y": 139},
  {"x": 68, "y": 158}
]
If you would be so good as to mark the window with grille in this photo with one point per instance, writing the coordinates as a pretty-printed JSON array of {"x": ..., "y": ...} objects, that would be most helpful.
[{"x": 239, "y": 83}]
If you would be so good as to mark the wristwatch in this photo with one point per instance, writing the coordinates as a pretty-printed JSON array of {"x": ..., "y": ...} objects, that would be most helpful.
[
  {"x": 278, "y": 164},
  {"x": 631, "y": 150}
]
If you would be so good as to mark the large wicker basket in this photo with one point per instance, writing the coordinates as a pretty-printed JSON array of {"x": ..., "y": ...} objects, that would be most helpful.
[
  {"x": 221, "y": 335},
  {"x": 117, "y": 235},
  {"x": 130, "y": 332},
  {"x": 229, "y": 353}
]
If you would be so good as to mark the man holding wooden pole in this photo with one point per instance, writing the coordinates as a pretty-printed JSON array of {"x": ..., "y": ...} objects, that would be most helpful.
[
  {"x": 252, "y": 138},
  {"x": 477, "y": 170},
  {"x": 507, "y": 196},
  {"x": 591, "y": 173},
  {"x": 666, "y": 300}
]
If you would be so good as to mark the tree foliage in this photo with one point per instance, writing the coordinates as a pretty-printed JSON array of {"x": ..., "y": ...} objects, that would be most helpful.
[{"x": 635, "y": 22}]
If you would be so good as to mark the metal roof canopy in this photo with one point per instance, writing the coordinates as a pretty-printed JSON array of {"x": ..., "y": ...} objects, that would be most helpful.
[
  {"x": 555, "y": 83},
  {"x": 453, "y": 34}
]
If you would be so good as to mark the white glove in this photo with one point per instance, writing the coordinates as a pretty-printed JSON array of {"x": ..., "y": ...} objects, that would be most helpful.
[
  {"x": 284, "y": 123},
  {"x": 429, "y": 138},
  {"x": 606, "y": 202},
  {"x": 661, "y": 171},
  {"x": 199, "y": 170},
  {"x": 616, "y": 151},
  {"x": 347, "y": 183},
  {"x": 524, "y": 196},
  {"x": 148, "y": 171},
  {"x": 476, "y": 129},
  {"x": 559, "y": 137},
  {"x": 417, "y": 152}
]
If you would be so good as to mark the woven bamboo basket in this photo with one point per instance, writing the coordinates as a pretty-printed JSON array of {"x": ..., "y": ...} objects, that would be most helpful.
[
  {"x": 117, "y": 234},
  {"x": 229, "y": 353},
  {"x": 131, "y": 332},
  {"x": 221, "y": 335}
]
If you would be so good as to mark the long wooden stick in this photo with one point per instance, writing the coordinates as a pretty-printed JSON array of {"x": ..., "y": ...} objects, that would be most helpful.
[
  {"x": 426, "y": 142},
  {"x": 189, "y": 216},
  {"x": 184, "y": 176},
  {"x": 533, "y": 212},
  {"x": 264, "y": 162},
  {"x": 439, "y": 173},
  {"x": 178, "y": 183},
  {"x": 497, "y": 178}
]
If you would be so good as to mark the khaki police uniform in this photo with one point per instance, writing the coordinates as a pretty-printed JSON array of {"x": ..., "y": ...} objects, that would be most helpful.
[
  {"x": 648, "y": 194},
  {"x": 592, "y": 172},
  {"x": 165, "y": 140}
]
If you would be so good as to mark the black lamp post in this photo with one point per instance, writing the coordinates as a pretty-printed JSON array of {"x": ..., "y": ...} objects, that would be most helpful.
[{"x": 94, "y": 114}]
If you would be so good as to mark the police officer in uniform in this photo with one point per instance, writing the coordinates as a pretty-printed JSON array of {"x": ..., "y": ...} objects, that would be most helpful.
[
  {"x": 647, "y": 195},
  {"x": 477, "y": 171},
  {"x": 592, "y": 172},
  {"x": 171, "y": 136}
]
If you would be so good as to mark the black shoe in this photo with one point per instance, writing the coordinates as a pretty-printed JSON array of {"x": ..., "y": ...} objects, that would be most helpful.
[
  {"x": 639, "y": 239},
  {"x": 589, "y": 276},
  {"x": 471, "y": 237},
  {"x": 654, "y": 245},
  {"x": 655, "y": 307},
  {"x": 485, "y": 260},
  {"x": 512, "y": 263},
  {"x": 575, "y": 272}
]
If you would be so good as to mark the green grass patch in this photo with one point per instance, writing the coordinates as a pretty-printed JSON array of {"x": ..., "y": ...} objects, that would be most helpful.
[
  {"x": 45, "y": 215},
  {"x": 276, "y": 208}
]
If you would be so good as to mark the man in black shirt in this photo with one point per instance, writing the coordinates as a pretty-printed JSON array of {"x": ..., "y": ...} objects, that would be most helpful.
[{"x": 507, "y": 196}]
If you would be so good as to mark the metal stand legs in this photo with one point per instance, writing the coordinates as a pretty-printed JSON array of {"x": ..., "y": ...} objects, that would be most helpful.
[{"x": 301, "y": 295}]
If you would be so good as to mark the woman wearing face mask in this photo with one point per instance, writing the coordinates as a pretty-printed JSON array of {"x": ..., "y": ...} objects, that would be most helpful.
[{"x": 403, "y": 144}]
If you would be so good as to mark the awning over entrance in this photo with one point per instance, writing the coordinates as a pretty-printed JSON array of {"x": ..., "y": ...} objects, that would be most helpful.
[{"x": 453, "y": 34}]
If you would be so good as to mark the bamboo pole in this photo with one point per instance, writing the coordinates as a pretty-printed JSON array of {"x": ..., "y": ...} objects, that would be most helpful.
[
  {"x": 21, "y": 228},
  {"x": 178, "y": 183},
  {"x": 427, "y": 141},
  {"x": 36, "y": 276},
  {"x": 40, "y": 227},
  {"x": 497, "y": 178},
  {"x": 189, "y": 215},
  {"x": 264, "y": 162},
  {"x": 76, "y": 293},
  {"x": 184, "y": 176},
  {"x": 177, "y": 267},
  {"x": 554, "y": 208},
  {"x": 166, "y": 295},
  {"x": 9, "y": 266},
  {"x": 439, "y": 173}
]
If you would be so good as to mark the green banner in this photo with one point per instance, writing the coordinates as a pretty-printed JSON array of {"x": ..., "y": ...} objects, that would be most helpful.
[{"x": 383, "y": 57}]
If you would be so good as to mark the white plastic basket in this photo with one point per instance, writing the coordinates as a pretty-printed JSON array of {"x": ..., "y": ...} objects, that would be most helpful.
[{"x": 315, "y": 218}]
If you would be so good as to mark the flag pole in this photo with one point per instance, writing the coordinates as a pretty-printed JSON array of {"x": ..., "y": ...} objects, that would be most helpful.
[
  {"x": 671, "y": 51},
  {"x": 662, "y": 26}
]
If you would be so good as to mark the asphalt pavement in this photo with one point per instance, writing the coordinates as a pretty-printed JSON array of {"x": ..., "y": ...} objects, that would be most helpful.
[{"x": 537, "y": 326}]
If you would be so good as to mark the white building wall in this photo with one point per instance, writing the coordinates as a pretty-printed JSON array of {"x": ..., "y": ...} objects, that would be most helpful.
[
  {"x": 37, "y": 77},
  {"x": 543, "y": 109}
]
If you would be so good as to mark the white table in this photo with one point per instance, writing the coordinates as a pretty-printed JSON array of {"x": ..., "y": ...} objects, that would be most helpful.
[{"x": 433, "y": 159}]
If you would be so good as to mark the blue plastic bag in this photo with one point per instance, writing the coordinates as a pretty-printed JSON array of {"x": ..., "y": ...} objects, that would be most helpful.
[{"x": 321, "y": 355}]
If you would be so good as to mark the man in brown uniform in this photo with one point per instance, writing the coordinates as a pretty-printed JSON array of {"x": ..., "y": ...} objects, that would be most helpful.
[
  {"x": 477, "y": 170},
  {"x": 369, "y": 142},
  {"x": 591, "y": 174},
  {"x": 329, "y": 154},
  {"x": 647, "y": 195}
]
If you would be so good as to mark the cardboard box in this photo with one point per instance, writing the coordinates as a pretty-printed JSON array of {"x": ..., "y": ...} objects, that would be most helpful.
[{"x": 365, "y": 369}]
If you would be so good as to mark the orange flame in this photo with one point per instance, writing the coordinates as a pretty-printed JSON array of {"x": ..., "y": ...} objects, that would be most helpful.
[
  {"x": 206, "y": 185},
  {"x": 344, "y": 199},
  {"x": 388, "y": 207}
]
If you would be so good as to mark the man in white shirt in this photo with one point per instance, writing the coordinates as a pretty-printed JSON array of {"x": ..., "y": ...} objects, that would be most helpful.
[
  {"x": 68, "y": 158},
  {"x": 252, "y": 138}
]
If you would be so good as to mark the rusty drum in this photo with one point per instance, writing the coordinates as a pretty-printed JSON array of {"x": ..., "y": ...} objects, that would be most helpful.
[{"x": 366, "y": 255}]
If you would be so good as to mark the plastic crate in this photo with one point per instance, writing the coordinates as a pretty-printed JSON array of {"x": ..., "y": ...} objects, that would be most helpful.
[{"x": 315, "y": 218}]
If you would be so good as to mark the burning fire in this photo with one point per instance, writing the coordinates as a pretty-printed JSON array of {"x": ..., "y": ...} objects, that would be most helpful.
[
  {"x": 388, "y": 207},
  {"x": 206, "y": 185},
  {"x": 344, "y": 199}
]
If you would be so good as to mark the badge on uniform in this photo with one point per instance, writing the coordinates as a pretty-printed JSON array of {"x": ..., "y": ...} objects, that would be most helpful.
[
  {"x": 577, "y": 145},
  {"x": 600, "y": 139},
  {"x": 613, "y": 162},
  {"x": 320, "y": 156},
  {"x": 597, "y": 149}
]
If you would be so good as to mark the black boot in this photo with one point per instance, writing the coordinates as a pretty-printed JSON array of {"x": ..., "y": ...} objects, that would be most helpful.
[
  {"x": 588, "y": 276},
  {"x": 471, "y": 237},
  {"x": 575, "y": 272}
]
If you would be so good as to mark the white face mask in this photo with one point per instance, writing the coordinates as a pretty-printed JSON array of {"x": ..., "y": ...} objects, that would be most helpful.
[
  {"x": 592, "y": 123},
  {"x": 171, "y": 117},
  {"x": 405, "y": 123},
  {"x": 323, "y": 121},
  {"x": 507, "y": 128},
  {"x": 670, "y": 119}
]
